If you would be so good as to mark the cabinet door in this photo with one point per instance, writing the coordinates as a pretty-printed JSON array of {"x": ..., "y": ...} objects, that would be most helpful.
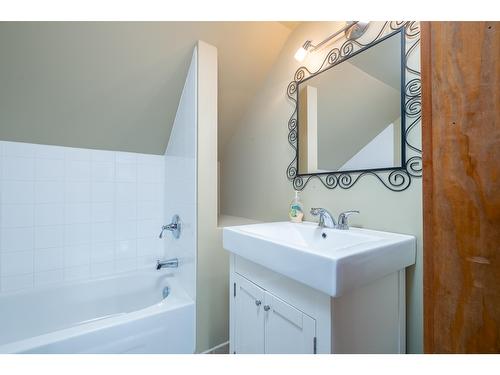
[
  {"x": 288, "y": 330},
  {"x": 249, "y": 317}
]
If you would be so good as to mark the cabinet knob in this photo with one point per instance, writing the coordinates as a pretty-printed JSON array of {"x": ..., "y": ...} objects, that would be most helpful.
[
  {"x": 257, "y": 302},
  {"x": 267, "y": 308}
]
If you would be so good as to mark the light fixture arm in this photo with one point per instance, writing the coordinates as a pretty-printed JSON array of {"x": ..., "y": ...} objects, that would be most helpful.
[
  {"x": 352, "y": 30},
  {"x": 308, "y": 46}
]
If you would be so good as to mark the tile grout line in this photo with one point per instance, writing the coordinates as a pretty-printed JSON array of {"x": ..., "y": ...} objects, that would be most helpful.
[
  {"x": 91, "y": 209},
  {"x": 64, "y": 241},
  {"x": 33, "y": 179},
  {"x": 1, "y": 215}
]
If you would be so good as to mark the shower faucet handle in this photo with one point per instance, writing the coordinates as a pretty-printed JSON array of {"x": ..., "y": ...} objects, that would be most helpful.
[{"x": 174, "y": 227}]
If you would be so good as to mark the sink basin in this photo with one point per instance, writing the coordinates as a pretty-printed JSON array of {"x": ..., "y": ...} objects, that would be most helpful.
[{"x": 331, "y": 260}]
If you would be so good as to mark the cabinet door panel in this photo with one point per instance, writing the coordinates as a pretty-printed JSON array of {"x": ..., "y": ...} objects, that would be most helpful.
[
  {"x": 288, "y": 330},
  {"x": 249, "y": 317}
]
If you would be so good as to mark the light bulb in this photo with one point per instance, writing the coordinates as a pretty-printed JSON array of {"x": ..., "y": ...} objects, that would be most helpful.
[{"x": 301, "y": 53}]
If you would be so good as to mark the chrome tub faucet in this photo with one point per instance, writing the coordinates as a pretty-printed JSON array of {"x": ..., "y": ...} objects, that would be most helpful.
[{"x": 169, "y": 263}]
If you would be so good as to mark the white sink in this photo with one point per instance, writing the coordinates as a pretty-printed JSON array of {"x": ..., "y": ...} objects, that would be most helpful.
[{"x": 330, "y": 260}]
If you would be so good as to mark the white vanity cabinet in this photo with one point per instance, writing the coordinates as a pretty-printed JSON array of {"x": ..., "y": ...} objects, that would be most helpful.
[
  {"x": 271, "y": 313},
  {"x": 300, "y": 288},
  {"x": 264, "y": 323},
  {"x": 248, "y": 317}
]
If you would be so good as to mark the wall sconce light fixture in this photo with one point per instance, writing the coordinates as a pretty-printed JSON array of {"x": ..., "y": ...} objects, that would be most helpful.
[{"x": 352, "y": 30}]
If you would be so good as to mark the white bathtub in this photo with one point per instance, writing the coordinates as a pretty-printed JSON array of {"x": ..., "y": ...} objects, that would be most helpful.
[{"x": 124, "y": 314}]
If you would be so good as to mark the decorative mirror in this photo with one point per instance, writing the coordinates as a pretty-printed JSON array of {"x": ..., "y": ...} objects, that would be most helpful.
[{"x": 354, "y": 115}]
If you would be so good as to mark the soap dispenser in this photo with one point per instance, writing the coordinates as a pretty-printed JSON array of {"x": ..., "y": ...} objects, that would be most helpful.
[{"x": 296, "y": 211}]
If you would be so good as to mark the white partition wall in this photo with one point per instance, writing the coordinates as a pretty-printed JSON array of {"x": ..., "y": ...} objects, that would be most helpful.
[
  {"x": 191, "y": 192},
  {"x": 212, "y": 307},
  {"x": 180, "y": 191}
]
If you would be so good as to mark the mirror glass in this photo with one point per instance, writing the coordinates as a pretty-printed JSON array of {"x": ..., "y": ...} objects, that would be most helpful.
[{"x": 350, "y": 115}]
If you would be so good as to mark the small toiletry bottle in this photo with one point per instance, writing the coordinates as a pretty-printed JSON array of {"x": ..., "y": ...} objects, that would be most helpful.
[{"x": 296, "y": 212}]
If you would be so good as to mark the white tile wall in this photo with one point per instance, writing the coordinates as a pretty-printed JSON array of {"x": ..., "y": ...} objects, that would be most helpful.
[{"x": 68, "y": 213}]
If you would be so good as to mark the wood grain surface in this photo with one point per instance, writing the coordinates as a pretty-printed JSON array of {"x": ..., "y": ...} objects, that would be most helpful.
[{"x": 461, "y": 184}]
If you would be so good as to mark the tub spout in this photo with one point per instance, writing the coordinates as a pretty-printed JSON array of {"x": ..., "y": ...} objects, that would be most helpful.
[{"x": 169, "y": 263}]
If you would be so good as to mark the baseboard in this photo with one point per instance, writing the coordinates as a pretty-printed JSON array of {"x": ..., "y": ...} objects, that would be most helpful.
[{"x": 218, "y": 349}]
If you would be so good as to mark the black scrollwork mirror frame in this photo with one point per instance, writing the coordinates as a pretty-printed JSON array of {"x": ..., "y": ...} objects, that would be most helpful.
[{"x": 395, "y": 179}]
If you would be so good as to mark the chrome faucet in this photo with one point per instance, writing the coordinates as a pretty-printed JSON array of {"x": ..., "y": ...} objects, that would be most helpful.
[
  {"x": 174, "y": 227},
  {"x": 342, "y": 221},
  {"x": 170, "y": 227},
  {"x": 169, "y": 263},
  {"x": 326, "y": 219}
]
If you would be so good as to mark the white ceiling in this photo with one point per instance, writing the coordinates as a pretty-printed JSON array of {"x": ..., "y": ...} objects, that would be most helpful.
[{"x": 116, "y": 85}]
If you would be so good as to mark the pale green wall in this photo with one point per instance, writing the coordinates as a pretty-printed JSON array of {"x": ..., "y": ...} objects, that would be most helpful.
[
  {"x": 116, "y": 85},
  {"x": 254, "y": 183},
  {"x": 104, "y": 85}
]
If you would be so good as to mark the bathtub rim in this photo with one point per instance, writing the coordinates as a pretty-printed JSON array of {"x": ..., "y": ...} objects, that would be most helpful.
[
  {"x": 170, "y": 274},
  {"x": 177, "y": 299}
]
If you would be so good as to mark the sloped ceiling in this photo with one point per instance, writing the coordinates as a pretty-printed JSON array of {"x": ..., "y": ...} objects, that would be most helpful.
[
  {"x": 290, "y": 24},
  {"x": 116, "y": 85}
]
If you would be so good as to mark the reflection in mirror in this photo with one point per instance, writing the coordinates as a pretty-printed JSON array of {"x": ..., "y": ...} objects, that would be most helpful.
[{"x": 350, "y": 115}]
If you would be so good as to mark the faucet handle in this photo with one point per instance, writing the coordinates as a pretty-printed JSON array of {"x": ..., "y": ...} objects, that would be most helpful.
[
  {"x": 317, "y": 211},
  {"x": 342, "y": 221},
  {"x": 325, "y": 218}
]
